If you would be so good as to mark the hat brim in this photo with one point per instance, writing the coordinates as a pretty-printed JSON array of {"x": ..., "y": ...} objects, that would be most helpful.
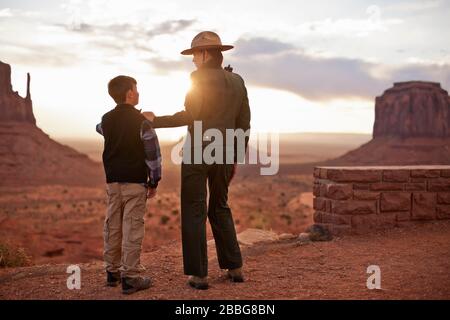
[{"x": 191, "y": 50}]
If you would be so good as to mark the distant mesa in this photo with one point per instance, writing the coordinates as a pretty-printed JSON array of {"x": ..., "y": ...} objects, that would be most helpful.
[
  {"x": 412, "y": 127},
  {"x": 28, "y": 156},
  {"x": 413, "y": 109}
]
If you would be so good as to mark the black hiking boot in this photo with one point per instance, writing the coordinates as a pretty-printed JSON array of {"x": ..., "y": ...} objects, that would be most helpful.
[{"x": 112, "y": 279}]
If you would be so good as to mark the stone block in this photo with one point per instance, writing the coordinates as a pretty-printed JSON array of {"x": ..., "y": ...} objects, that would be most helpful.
[
  {"x": 365, "y": 195},
  {"x": 416, "y": 186},
  {"x": 403, "y": 215},
  {"x": 386, "y": 186},
  {"x": 336, "y": 218},
  {"x": 396, "y": 175},
  {"x": 425, "y": 173},
  {"x": 361, "y": 186},
  {"x": 349, "y": 175},
  {"x": 443, "y": 211},
  {"x": 317, "y": 217},
  {"x": 339, "y": 191},
  {"x": 423, "y": 206},
  {"x": 395, "y": 201},
  {"x": 441, "y": 184},
  {"x": 319, "y": 204},
  {"x": 353, "y": 207},
  {"x": 443, "y": 198},
  {"x": 316, "y": 189}
]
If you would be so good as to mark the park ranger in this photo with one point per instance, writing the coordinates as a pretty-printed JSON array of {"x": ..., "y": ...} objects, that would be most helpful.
[{"x": 218, "y": 100}]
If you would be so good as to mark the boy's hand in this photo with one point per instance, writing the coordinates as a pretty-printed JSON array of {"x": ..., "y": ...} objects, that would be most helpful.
[
  {"x": 151, "y": 193},
  {"x": 149, "y": 115}
]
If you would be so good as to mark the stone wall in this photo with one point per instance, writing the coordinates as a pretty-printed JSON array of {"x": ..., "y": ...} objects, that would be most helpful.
[{"x": 363, "y": 199}]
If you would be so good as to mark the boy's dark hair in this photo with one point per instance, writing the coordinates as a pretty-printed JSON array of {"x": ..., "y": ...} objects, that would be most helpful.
[{"x": 119, "y": 86}]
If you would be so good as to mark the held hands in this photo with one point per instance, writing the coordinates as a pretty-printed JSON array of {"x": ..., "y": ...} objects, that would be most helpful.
[
  {"x": 149, "y": 115},
  {"x": 151, "y": 193}
]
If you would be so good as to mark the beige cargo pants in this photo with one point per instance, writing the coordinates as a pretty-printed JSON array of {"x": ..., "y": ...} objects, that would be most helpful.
[{"x": 124, "y": 228}]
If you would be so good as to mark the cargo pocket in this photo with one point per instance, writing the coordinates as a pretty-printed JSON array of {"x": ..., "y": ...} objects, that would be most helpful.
[
  {"x": 137, "y": 230},
  {"x": 106, "y": 230}
]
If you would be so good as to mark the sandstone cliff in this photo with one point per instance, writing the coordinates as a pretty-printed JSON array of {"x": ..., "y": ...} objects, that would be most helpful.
[
  {"x": 413, "y": 109},
  {"x": 12, "y": 106},
  {"x": 28, "y": 156}
]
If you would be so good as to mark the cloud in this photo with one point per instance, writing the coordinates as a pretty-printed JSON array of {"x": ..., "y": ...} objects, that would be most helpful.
[
  {"x": 130, "y": 30},
  {"x": 423, "y": 71},
  {"x": 37, "y": 54},
  {"x": 80, "y": 27},
  {"x": 5, "y": 13},
  {"x": 350, "y": 27},
  {"x": 170, "y": 27},
  {"x": 256, "y": 46},
  {"x": 121, "y": 37},
  {"x": 162, "y": 66},
  {"x": 412, "y": 6},
  {"x": 314, "y": 78},
  {"x": 318, "y": 78}
]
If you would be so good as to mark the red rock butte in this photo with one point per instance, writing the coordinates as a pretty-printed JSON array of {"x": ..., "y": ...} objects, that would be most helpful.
[
  {"x": 12, "y": 106},
  {"x": 411, "y": 127},
  {"x": 413, "y": 109},
  {"x": 28, "y": 156}
]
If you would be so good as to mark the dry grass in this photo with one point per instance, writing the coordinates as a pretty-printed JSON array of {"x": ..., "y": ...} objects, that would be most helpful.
[{"x": 13, "y": 257}]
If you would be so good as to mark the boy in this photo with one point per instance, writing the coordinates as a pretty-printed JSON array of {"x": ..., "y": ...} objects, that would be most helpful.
[{"x": 132, "y": 163}]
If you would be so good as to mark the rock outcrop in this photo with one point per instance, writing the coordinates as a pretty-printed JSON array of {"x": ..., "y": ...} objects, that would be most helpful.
[
  {"x": 28, "y": 156},
  {"x": 12, "y": 106},
  {"x": 413, "y": 109},
  {"x": 412, "y": 127}
]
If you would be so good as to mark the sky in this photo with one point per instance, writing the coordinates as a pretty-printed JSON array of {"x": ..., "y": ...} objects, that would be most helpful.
[{"x": 309, "y": 66}]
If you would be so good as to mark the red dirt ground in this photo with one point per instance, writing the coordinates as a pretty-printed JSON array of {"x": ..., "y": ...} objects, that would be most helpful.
[
  {"x": 414, "y": 262},
  {"x": 51, "y": 218}
]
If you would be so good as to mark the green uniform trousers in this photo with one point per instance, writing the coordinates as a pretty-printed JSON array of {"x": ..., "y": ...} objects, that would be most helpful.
[{"x": 193, "y": 217}]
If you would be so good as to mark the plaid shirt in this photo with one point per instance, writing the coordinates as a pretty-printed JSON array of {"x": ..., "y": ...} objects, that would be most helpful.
[{"x": 151, "y": 149}]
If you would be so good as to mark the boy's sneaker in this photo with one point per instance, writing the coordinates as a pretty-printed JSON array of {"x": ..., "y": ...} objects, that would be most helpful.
[
  {"x": 132, "y": 285},
  {"x": 112, "y": 279}
]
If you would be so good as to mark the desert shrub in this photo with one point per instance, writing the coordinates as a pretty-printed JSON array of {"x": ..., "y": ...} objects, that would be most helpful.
[
  {"x": 259, "y": 222},
  {"x": 13, "y": 257},
  {"x": 164, "y": 219},
  {"x": 287, "y": 217}
]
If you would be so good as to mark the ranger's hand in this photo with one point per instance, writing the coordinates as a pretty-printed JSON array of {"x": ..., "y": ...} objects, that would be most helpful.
[
  {"x": 151, "y": 193},
  {"x": 149, "y": 115}
]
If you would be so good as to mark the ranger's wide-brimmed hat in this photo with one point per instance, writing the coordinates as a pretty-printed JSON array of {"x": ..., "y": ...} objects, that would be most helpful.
[{"x": 206, "y": 40}]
